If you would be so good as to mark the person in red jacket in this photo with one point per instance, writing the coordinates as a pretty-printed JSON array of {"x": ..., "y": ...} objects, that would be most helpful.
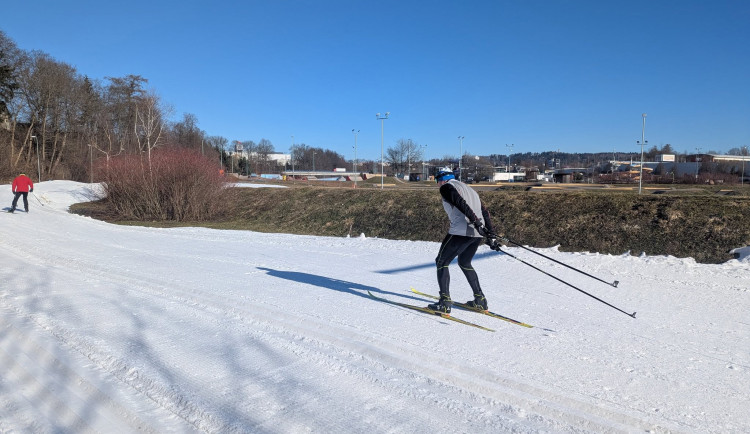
[{"x": 22, "y": 185}]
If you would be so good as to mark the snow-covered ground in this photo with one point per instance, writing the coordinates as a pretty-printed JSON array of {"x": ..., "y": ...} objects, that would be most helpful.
[{"x": 109, "y": 328}]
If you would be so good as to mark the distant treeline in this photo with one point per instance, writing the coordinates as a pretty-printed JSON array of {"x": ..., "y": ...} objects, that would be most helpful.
[{"x": 57, "y": 121}]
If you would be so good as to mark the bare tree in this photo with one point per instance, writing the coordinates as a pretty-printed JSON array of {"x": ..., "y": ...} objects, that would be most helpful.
[
  {"x": 263, "y": 149},
  {"x": 10, "y": 57},
  {"x": 403, "y": 155},
  {"x": 122, "y": 98},
  {"x": 49, "y": 88},
  {"x": 250, "y": 148},
  {"x": 186, "y": 132},
  {"x": 149, "y": 124},
  {"x": 8, "y": 85},
  {"x": 296, "y": 153},
  {"x": 219, "y": 143}
]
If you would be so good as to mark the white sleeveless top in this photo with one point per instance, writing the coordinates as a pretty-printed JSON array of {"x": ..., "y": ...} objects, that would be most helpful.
[{"x": 459, "y": 223}]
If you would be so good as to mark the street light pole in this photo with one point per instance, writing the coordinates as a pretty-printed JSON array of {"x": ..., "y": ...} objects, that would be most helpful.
[
  {"x": 247, "y": 160},
  {"x": 460, "y": 154},
  {"x": 292, "y": 155},
  {"x": 510, "y": 149},
  {"x": 314, "y": 160},
  {"x": 643, "y": 142},
  {"x": 697, "y": 164},
  {"x": 355, "y": 156},
  {"x": 744, "y": 154},
  {"x": 382, "y": 163},
  {"x": 355, "y": 148},
  {"x": 408, "y": 160}
]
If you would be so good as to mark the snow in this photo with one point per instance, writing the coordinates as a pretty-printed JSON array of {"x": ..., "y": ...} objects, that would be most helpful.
[
  {"x": 110, "y": 328},
  {"x": 251, "y": 185}
]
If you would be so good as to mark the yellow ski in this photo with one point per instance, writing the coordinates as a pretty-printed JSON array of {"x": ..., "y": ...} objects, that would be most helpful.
[
  {"x": 464, "y": 306},
  {"x": 429, "y": 311}
]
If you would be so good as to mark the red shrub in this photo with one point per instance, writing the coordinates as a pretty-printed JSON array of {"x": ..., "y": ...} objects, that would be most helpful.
[{"x": 178, "y": 185}]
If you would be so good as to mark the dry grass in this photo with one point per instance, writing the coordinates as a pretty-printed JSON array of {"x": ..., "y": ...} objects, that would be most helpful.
[{"x": 704, "y": 226}]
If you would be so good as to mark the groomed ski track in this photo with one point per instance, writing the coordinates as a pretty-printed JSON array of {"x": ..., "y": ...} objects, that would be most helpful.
[{"x": 108, "y": 328}]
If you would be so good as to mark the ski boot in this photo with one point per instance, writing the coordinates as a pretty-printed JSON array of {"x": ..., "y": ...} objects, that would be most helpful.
[
  {"x": 442, "y": 306},
  {"x": 479, "y": 302}
]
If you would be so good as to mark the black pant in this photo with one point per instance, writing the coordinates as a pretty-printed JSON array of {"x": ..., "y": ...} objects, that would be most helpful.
[
  {"x": 25, "y": 200},
  {"x": 464, "y": 248}
]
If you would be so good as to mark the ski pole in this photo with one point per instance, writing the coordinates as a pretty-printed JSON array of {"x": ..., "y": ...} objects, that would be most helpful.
[
  {"x": 615, "y": 283},
  {"x": 560, "y": 280},
  {"x": 40, "y": 202}
]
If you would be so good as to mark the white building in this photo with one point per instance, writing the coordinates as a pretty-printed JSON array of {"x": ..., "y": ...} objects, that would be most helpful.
[
  {"x": 279, "y": 158},
  {"x": 503, "y": 176},
  {"x": 665, "y": 158}
]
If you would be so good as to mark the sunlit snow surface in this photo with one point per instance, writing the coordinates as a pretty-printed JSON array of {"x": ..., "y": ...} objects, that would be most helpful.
[{"x": 109, "y": 328}]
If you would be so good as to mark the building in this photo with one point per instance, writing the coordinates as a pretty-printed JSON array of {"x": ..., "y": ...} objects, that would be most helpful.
[
  {"x": 717, "y": 158},
  {"x": 665, "y": 158},
  {"x": 502, "y": 175},
  {"x": 279, "y": 158}
]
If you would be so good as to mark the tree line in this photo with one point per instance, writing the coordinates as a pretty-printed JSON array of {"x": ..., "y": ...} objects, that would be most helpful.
[{"x": 58, "y": 123}]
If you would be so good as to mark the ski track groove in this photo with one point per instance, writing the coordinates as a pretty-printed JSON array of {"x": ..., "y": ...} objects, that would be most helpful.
[
  {"x": 497, "y": 402},
  {"x": 549, "y": 409},
  {"x": 25, "y": 364}
]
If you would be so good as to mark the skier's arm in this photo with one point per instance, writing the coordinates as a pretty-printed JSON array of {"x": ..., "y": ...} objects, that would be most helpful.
[
  {"x": 487, "y": 220},
  {"x": 450, "y": 194}
]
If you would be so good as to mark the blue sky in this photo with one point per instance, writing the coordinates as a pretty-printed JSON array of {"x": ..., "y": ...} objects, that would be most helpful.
[{"x": 542, "y": 75}]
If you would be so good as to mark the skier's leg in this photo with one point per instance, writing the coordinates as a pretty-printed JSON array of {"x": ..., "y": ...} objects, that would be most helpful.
[
  {"x": 15, "y": 201},
  {"x": 449, "y": 249},
  {"x": 464, "y": 261}
]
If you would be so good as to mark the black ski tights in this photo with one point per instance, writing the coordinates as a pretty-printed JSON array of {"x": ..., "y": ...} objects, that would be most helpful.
[{"x": 464, "y": 248}]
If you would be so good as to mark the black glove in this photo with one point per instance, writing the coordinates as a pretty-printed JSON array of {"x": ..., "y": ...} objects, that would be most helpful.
[
  {"x": 31, "y": 190},
  {"x": 496, "y": 241},
  {"x": 493, "y": 243},
  {"x": 480, "y": 228}
]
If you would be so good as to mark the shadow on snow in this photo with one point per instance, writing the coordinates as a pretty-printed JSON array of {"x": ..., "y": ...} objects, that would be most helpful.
[
  {"x": 482, "y": 255},
  {"x": 334, "y": 284}
]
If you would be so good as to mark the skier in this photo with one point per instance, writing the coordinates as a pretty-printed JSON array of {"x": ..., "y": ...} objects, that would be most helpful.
[
  {"x": 22, "y": 185},
  {"x": 469, "y": 223}
]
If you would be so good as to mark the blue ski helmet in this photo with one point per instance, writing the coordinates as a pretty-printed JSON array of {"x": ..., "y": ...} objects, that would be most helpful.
[{"x": 445, "y": 174}]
